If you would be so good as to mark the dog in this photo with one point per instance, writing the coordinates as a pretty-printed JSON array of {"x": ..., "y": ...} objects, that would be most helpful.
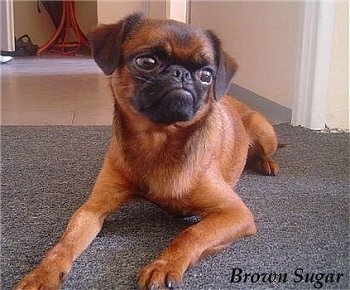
[{"x": 178, "y": 141}]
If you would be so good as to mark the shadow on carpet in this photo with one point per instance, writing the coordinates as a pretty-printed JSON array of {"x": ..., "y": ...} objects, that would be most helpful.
[{"x": 302, "y": 215}]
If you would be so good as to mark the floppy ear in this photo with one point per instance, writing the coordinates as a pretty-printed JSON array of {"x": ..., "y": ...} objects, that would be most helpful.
[
  {"x": 226, "y": 67},
  {"x": 106, "y": 42}
]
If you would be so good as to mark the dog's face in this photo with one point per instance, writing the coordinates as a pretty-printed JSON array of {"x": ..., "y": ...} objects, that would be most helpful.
[{"x": 164, "y": 70}]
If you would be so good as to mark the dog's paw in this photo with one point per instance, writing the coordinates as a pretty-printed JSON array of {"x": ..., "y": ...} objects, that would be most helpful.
[
  {"x": 40, "y": 279},
  {"x": 160, "y": 274},
  {"x": 266, "y": 166}
]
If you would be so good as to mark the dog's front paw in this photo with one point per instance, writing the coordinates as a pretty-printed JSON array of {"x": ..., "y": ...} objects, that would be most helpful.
[
  {"x": 41, "y": 278},
  {"x": 266, "y": 166},
  {"x": 161, "y": 274}
]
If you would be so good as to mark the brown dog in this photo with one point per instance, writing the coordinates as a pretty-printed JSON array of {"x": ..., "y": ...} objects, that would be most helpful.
[{"x": 178, "y": 142}]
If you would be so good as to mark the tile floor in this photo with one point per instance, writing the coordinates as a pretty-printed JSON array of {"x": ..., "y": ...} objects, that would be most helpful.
[{"x": 54, "y": 91}]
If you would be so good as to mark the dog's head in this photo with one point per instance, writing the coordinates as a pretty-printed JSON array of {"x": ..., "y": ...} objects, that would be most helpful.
[{"x": 163, "y": 69}]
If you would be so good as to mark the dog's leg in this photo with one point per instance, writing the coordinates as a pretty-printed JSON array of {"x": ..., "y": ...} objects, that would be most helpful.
[
  {"x": 263, "y": 144},
  {"x": 225, "y": 219},
  {"x": 108, "y": 194}
]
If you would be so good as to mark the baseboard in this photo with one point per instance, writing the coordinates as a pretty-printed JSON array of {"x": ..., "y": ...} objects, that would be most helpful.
[
  {"x": 276, "y": 113},
  {"x": 7, "y": 53}
]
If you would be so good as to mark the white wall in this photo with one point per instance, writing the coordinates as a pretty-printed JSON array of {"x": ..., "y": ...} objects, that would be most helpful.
[
  {"x": 29, "y": 21},
  {"x": 113, "y": 11},
  {"x": 177, "y": 10},
  {"x": 337, "y": 115},
  {"x": 263, "y": 38}
]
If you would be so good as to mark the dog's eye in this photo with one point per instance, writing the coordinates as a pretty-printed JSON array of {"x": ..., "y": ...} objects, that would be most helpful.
[
  {"x": 147, "y": 63},
  {"x": 205, "y": 76}
]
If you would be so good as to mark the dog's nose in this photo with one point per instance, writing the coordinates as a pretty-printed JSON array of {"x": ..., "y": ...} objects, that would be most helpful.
[{"x": 180, "y": 74}]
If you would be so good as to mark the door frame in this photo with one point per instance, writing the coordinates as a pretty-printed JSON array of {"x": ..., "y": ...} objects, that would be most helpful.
[
  {"x": 177, "y": 10},
  {"x": 312, "y": 73},
  {"x": 7, "y": 26}
]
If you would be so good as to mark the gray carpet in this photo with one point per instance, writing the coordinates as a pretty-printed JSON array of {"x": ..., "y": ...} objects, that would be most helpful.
[{"x": 302, "y": 214}]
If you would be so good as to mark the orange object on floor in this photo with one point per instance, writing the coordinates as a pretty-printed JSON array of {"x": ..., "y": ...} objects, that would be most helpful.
[{"x": 59, "y": 42}]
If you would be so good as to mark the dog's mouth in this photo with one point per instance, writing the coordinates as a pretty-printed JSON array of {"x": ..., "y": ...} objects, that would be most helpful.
[
  {"x": 179, "y": 96},
  {"x": 173, "y": 106}
]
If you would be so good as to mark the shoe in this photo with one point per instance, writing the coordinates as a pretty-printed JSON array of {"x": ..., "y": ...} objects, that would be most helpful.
[
  {"x": 24, "y": 46},
  {"x": 5, "y": 59}
]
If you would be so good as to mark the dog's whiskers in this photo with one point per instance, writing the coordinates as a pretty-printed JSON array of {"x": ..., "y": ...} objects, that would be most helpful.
[{"x": 149, "y": 80}]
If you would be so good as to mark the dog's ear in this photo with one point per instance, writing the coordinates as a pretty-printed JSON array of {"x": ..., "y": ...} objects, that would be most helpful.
[
  {"x": 106, "y": 42},
  {"x": 225, "y": 64}
]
